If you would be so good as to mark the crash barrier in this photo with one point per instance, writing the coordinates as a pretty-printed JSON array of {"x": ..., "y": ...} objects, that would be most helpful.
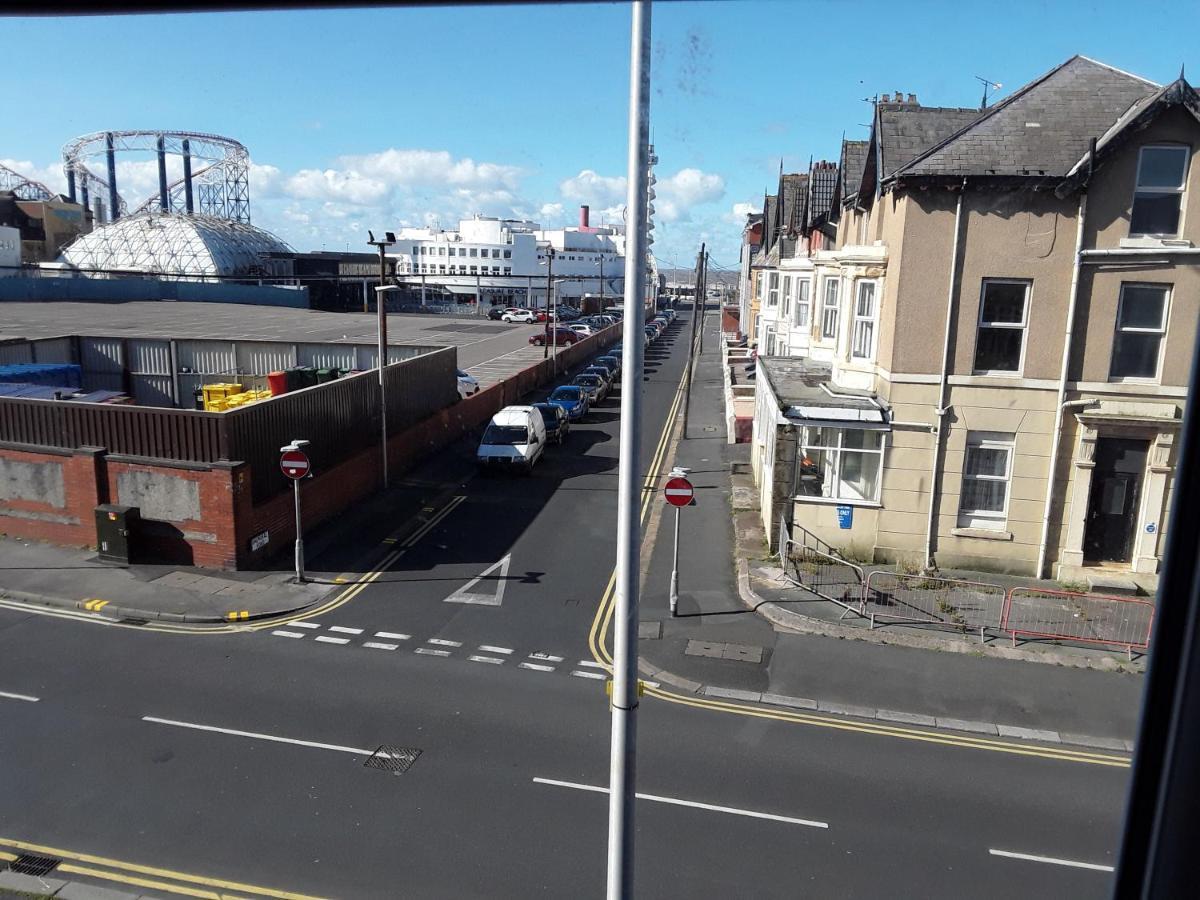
[
  {"x": 966, "y": 605},
  {"x": 829, "y": 577},
  {"x": 1087, "y": 618}
]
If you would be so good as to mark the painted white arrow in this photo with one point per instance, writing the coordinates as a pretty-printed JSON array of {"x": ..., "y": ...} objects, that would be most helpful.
[{"x": 465, "y": 595}]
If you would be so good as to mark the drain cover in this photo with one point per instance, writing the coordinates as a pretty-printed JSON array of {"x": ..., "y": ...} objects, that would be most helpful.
[
  {"x": 396, "y": 760},
  {"x": 37, "y": 866},
  {"x": 129, "y": 620}
]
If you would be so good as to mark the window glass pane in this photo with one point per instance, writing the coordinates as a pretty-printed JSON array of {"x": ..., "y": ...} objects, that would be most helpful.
[
  {"x": 815, "y": 475},
  {"x": 864, "y": 336},
  {"x": 1003, "y": 302},
  {"x": 1162, "y": 167},
  {"x": 859, "y": 476},
  {"x": 861, "y": 439},
  {"x": 831, "y": 292},
  {"x": 1135, "y": 354},
  {"x": 1155, "y": 214},
  {"x": 1142, "y": 307},
  {"x": 984, "y": 496},
  {"x": 999, "y": 349},
  {"x": 866, "y": 299},
  {"x": 821, "y": 437},
  {"x": 986, "y": 461}
]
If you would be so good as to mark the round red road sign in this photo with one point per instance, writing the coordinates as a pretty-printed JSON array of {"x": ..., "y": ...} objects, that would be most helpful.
[
  {"x": 678, "y": 492},
  {"x": 294, "y": 463}
]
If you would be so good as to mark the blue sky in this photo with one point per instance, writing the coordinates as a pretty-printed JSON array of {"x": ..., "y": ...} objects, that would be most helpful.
[{"x": 360, "y": 119}]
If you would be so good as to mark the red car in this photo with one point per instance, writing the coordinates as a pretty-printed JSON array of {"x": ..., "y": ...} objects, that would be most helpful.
[{"x": 565, "y": 337}]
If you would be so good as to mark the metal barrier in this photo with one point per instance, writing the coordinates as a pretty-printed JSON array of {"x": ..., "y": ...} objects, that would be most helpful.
[
  {"x": 823, "y": 574},
  {"x": 1087, "y": 618},
  {"x": 955, "y": 603}
]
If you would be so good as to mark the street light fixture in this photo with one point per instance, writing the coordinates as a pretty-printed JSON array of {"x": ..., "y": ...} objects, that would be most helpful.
[{"x": 388, "y": 240}]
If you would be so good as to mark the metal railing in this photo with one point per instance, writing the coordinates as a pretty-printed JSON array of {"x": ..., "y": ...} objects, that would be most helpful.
[
  {"x": 1072, "y": 616},
  {"x": 828, "y": 576},
  {"x": 952, "y": 602}
]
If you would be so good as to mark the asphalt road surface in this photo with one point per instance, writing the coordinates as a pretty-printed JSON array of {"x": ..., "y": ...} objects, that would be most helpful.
[{"x": 246, "y": 758}]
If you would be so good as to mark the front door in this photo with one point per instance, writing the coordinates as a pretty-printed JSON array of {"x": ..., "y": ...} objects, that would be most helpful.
[{"x": 1113, "y": 503}]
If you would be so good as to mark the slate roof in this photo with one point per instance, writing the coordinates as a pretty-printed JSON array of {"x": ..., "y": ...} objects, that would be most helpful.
[
  {"x": 850, "y": 168},
  {"x": 822, "y": 187},
  {"x": 770, "y": 202},
  {"x": 793, "y": 188},
  {"x": 906, "y": 130},
  {"x": 1043, "y": 129}
]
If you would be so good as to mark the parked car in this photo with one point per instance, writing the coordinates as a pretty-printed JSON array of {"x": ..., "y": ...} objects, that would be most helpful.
[
  {"x": 568, "y": 313},
  {"x": 651, "y": 333},
  {"x": 608, "y": 362},
  {"x": 565, "y": 337},
  {"x": 603, "y": 372},
  {"x": 554, "y": 417},
  {"x": 540, "y": 315},
  {"x": 522, "y": 315},
  {"x": 514, "y": 439},
  {"x": 584, "y": 330},
  {"x": 467, "y": 385},
  {"x": 495, "y": 313},
  {"x": 573, "y": 399},
  {"x": 594, "y": 385}
]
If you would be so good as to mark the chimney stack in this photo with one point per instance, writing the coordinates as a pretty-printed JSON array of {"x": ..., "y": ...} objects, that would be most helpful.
[
  {"x": 583, "y": 218},
  {"x": 912, "y": 98}
]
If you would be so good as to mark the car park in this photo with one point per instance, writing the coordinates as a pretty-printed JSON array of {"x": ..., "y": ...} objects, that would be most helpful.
[
  {"x": 554, "y": 417},
  {"x": 514, "y": 439},
  {"x": 573, "y": 399},
  {"x": 568, "y": 313},
  {"x": 594, "y": 385},
  {"x": 495, "y": 313},
  {"x": 467, "y": 385},
  {"x": 563, "y": 337},
  {"x": 520, "y": 315}
]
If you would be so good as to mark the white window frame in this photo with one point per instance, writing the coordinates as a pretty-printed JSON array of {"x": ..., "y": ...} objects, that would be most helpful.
[
  {"x": 835, "y": 454},
  {"x": 773, "y": 289},
  {"x": 786, "y": 312},
  {"x": 986, "y": 519},
  {"x": 1181, "y": 191},
  {"x": 865, "y": 325},
  {"x": 803, "y": 302},
  {"x": 1161, "y": 331},
  {"x": 830, "y": 312},
  {"x": 1022, "y": 326},
  {"x": 769, "y": 339}
]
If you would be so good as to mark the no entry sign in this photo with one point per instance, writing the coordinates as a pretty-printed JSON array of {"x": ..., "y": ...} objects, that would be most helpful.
[
  {"x": 294, "y": 463},
  {"x": 678, "y": 492}
]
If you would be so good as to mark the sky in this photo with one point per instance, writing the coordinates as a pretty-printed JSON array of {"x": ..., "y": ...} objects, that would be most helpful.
[{"x": 360, "y": 119}]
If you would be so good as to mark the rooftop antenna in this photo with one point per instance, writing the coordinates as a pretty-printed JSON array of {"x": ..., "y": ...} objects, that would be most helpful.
[{"x": 988, "y": 84}]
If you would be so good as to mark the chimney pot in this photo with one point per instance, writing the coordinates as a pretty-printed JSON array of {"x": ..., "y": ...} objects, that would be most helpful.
[{"x": 912, "y": 98}]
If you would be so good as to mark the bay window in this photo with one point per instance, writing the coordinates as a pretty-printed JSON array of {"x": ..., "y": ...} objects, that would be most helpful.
[
  {"x": 803, "y": 303},
  {"x": 829, "y": 310},
  {"x": 840, "y": 464},
  {"x": 862, "y": 345}
]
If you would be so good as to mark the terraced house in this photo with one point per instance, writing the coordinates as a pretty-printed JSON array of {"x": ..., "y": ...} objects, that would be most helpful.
[{"x": 999, "y": 342}]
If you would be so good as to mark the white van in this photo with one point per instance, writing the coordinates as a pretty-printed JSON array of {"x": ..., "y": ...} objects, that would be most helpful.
[{"x": 514, "y": 439}]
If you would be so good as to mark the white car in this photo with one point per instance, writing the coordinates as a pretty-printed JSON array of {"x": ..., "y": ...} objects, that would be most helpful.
[
  {"x": 582, "y": 330},
  {"x": 514, "y": 440},
  {"x": 518, "y": 315},
  {"x": 467, "y": 385}
]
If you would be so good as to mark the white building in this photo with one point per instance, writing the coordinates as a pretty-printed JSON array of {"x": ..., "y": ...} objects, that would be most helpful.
[{"x": 511, "y": 260}]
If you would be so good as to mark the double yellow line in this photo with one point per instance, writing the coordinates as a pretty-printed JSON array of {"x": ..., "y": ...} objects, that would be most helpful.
[
  {"x": 172, "y": 882},
  {"x": 602, "y": 621}
]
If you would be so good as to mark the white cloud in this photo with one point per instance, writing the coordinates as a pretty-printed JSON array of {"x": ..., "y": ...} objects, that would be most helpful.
[
  {"x": 51, "y": 176},
  {"x": 421, "y": 168},
  {"x": 594, "y": 189},
  {"x": 348, "y": 186},
  {"x": 690, "y": 187},
  {"x": 738, "y": 212}
]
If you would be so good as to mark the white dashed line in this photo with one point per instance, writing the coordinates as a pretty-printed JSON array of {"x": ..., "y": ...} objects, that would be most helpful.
[
  {"x": 291, "y": 634},
  {"x": 329, "y": 640},
  {"x": 429, "y": 652},
  {"x": 488, "y": 648},
  {"x": 546, "y": 656},
  {"x": 344, "y": 630},
  {"x": 1052, "y": 860},
  {"x": 536, "y": 667},
  {"x": 442, "y": 643},
  {"x": 391, "y": 635},
  {"x": 375, "y": 645},
  {"x": 304, "y": 624},
  {"x": 494, "y": 660},
  {"x": 590, "y": 664},
  {"x": 597, "y": 675},
  {"x": 24, "y": 697}
]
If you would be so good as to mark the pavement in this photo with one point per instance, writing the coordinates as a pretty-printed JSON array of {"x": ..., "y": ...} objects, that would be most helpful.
[{"x": 439, "y": 726}]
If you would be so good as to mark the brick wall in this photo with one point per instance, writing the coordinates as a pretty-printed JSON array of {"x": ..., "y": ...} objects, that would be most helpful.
[{"x": 51, "y": 495}]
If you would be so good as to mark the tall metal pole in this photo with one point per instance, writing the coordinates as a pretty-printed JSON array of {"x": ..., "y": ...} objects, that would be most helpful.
[
  {"x": 687, "y": 383},
  {"x": 110, "y": 157},
  {"x": 381, "y": 308},
  {"x": 164, "y": 199},
  {"x": 623, "y": 746},
  {"x": 188, "y": 199},
  {"x": 675, "y": 568},
  {"x": 299, "y": 534},
  {"x": 549, "y": 291}
]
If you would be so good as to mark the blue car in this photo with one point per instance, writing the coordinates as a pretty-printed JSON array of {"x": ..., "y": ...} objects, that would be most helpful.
[
  {"x": 573, "y": 400},
  {"x": 608, "y": 362},
  {"x": 556, "y": 421}
]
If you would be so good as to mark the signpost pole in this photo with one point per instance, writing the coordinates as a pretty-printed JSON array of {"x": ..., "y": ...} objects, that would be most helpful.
[
  {"x": 299, "y": 534},
  {"x": 675, "y": 568},
  {"x": 295, "y": 465}
]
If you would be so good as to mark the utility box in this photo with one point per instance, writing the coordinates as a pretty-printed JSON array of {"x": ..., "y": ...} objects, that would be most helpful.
[{"x": 116, "y": 532}]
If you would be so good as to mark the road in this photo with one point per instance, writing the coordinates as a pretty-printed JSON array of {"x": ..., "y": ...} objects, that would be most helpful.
[{"x": 239, "y": 758}]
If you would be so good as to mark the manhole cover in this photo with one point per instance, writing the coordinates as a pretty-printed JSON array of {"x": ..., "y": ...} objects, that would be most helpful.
[
  {"x": 396, "y": 760},
  {"x": 37, "y": 866}
]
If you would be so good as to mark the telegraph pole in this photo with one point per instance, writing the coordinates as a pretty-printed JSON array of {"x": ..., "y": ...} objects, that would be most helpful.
[
  {"x": 549, "y": 292},
  {"x": 623, "y": 747},
  {"x": 687, "y": 383},
  {"x": 381, "y": 307}
]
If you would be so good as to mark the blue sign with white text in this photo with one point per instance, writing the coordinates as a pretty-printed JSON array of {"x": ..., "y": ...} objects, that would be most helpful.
[{"x": 845, "y": 516}]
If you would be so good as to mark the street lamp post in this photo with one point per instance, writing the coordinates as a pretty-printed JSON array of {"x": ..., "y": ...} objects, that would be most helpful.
[
  {"x": 381, "y": 307},
  {"x": 550, "y": 323}
]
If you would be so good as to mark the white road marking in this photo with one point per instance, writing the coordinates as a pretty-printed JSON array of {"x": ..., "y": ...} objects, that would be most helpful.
[
  {"x": 357, "y": 751},
  {"x": 590, "y": 664},
  {"x": 24, "y": 697},
  {"x": 494, "y": 660},
  {"x": 1052, "y": 860},
  {"x": 536, "y": 667},
  {"x": 375, "y": 645},
  {"x": 329, "y": 640},
  {"x": 546, "y": 656},
  {"x": 391, "y": 635},
  {"x": 291, "y": 634},
  {"x": 442, "y": 643},
  {"x": 465, "y": 595},
  {"x": 429, "y": 652},
  {"x": 345, "y": 630},
  {"x": 732, "y": 810},
  {"x": 488, "y": 648},
  {"x": 598, "y": 675},
  {"x": 304, "y": 624}
]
